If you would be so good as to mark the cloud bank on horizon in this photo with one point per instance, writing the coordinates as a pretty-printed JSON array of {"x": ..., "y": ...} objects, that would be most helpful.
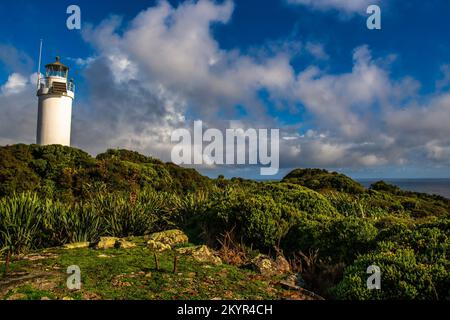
[{"x": 165, "y": 68}]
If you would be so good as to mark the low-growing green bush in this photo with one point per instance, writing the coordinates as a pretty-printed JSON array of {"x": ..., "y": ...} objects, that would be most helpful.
[
  {"x": 258, "y": 220},
  {"x": 402, "y": 278},
  {"x": 339, "y": 239},
  {"x": 305, "y": 200}
]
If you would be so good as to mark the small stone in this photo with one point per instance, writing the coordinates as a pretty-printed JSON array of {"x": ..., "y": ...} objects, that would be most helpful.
[
  {"x": 45, "y": 298},
  {"x": 107, "y": 242},
  {"x": 76, "y": 245},
  {"x": 123, "y": 244}
]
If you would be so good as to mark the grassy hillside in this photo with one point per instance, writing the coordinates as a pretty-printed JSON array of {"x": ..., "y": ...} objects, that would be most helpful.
[{"x": 329, "y": 227}]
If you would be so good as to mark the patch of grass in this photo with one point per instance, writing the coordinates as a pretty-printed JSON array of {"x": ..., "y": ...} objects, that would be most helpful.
[
  {"x": 28, "y": 292},
  {"x": 131, "y": 274}
]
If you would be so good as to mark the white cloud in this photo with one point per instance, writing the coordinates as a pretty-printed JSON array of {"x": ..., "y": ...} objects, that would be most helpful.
[
  {"x": 18, "y": 107},
  {"x": 166, "y": 68},
  {"x": 341, "y": 101},
  {"x": 15, "y": 60},
  {"x": 445, "y": 79},
  {"x": 438, "y": 151},
  {"x": 174, "y": 47},
  {"x": 16, "y": 83},
  {"x": 317, "y": 50},
  {"x": 420, "y": 124}
]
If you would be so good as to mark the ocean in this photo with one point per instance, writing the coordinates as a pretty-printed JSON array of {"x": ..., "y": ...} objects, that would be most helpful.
[{"x": 432, "y": 186}]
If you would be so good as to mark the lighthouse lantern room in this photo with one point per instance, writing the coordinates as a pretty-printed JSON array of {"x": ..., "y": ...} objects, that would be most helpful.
[{"x": 56, "y": 94}]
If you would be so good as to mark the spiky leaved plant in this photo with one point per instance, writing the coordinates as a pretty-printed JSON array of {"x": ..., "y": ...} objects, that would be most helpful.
[
  {"x": 122, "y": 216},
  {"x": 162, "y": 206},
  {"x": 20, "y": 217},
  {"x": 67, "y": 223},
  {"x": 83, "y": 223}
]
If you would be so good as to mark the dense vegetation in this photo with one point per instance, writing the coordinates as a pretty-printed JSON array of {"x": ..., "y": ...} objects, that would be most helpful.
[{"x": 328, "y": 226}]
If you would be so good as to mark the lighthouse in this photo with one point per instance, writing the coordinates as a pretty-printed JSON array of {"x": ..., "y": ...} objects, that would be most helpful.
[{"x": 55, "y": 94}]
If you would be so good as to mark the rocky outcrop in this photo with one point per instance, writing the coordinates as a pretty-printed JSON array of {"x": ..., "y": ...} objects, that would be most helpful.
[{"x": 201, "y": 254}]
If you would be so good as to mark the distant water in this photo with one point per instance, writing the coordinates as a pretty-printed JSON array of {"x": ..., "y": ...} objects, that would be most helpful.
[{"x": 432, "y": 186}]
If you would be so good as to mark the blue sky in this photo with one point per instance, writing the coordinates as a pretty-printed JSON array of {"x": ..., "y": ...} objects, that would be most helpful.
[
  {"x": 370, "y": 103},
  {"x": 417, "y": 31}
]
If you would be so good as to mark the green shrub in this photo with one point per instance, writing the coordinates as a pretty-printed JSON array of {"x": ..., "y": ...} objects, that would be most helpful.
[
  {"x": 318, "y": 179},
  {"x": 256, "y": 219},
  {"x": 339, "y": 239},
  {"x": 126, "y": 155},
  {"x": 363, "y": 205},
  {"x": 428, "y": 241},
  {"x": 263, "y": 221},
  {"x": 402, "y": 277},
  {"x": 305, "y": 200}
]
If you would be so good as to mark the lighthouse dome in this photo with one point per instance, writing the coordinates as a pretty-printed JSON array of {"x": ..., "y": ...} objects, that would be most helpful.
[{"x": 57, "y": 69}]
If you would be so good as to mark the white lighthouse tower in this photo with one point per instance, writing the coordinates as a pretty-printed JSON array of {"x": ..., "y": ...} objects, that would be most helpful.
[{"x": 56, "y": 94}]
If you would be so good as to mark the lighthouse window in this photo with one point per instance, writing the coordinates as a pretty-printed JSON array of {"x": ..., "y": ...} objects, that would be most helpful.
[{"x": 56, "y": 73}]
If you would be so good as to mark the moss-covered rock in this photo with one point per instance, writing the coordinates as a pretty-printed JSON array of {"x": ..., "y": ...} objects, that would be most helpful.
[
  {"x": 266, "y": 266},
  {"x": 170, "y": 237},
  {"x": 107, "y": 242},
  {"x": 76, "y": 245},
  {"x": 202, "y": 254},
  {"x": 158, "y": 246},
  {"x": 124, "y": 244}
]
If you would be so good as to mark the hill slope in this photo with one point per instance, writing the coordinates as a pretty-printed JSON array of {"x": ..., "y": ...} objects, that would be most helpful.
[{"x": 72, "y": 173}]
